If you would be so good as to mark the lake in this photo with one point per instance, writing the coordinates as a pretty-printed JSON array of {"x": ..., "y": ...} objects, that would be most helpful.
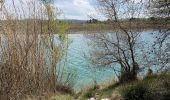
[{"x": 76, "y": 59}]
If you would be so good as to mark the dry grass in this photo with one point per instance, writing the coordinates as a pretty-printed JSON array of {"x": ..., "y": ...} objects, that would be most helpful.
[
  {"x": 56, "y": 96},
  {"x": 29, "y": 56}
]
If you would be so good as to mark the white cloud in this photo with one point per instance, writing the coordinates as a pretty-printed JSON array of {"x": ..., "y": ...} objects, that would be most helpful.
[
  {"x": 77, "y": 9},
  {"x": 73, "y": 9},
  {"x": 81, "y": 2}
]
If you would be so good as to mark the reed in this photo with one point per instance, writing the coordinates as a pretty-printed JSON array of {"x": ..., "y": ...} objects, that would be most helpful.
[{"x": 28, "y": 53}]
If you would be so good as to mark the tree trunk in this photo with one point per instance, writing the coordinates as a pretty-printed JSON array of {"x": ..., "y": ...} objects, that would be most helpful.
[{"x": 127, "y": 76}]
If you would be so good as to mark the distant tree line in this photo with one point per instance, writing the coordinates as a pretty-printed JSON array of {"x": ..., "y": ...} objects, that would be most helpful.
[{"x": 93, "y": 21}]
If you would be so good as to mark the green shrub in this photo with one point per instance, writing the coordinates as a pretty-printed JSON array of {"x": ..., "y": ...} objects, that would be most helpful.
[
  {"x": 88, "y": 94},
  {"x": 137, "y": 92},
  {"x": 166, "y": 96},
  {"x": 151, "y": 77}
]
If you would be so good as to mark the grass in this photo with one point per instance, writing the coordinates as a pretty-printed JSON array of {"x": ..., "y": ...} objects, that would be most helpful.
[
  {"x": 156, "y": 87},
  {"x": 103, "y": 91},
  {"x": 57, "y": 96},
  {"x": 29, "y": 56},
  {"x": 62, "y": 97}
]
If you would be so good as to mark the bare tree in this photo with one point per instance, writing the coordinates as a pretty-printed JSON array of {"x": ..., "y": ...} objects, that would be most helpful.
[
  {"x": 118, "y": 48},
  {"x": 1, "y": 4},
  {"x": 161, "y": 9}
]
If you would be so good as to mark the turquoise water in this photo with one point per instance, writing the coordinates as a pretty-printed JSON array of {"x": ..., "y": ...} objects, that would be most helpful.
[
  {"x": 76, "y": 62},
  {"x": 78, "y": 50}
]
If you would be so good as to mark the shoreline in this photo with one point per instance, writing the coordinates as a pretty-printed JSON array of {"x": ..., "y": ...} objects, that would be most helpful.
[{"x": 85, "y": 27}]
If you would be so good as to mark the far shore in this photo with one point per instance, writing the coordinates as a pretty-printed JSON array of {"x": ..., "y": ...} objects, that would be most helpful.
[
  {"x": 73, "y": 28},
  {"x": 99, "y": 27}
]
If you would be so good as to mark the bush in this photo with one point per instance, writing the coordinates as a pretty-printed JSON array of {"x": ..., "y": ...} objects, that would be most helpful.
[
  {"x": 137, "y": 92},
  {"x": 64, "y": 88},
  {"x": 154, "y": 87},
  {"x": 88, "y": 94},
  {"x": 150, "y": 77},
  {"x": 29, "y": 58}
]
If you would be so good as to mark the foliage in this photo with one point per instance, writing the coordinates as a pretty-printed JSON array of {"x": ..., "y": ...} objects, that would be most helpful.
[
  {"x": 88, "y": 94},
  {"x": 137, "y": 92},
  {"x": 155, "y": 87},
  {"x": 62, "y": 97}
]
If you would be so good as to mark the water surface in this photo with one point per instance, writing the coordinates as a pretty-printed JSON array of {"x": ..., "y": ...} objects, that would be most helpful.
[{"x": 76, "y": 59}]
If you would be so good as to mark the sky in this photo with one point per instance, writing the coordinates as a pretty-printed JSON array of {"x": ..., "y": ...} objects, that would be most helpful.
[
  {"x": 72, "y": 9},
  {"x": 78, "y": 9},
  {"x": 81, "y": 9}
]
